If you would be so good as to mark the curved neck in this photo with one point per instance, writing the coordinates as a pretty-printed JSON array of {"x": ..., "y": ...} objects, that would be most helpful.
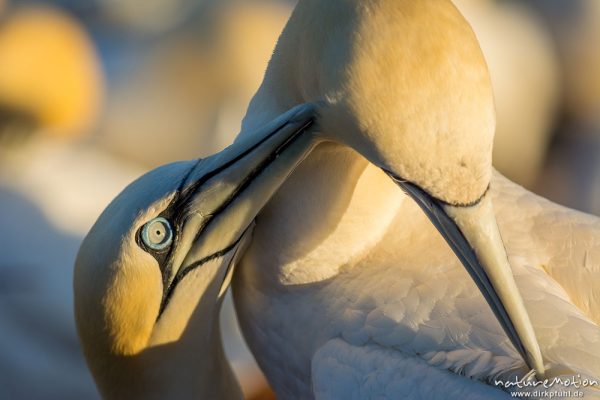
[
  {"x": 193, "y": 367},
  {"x": 336, "y": 215}
]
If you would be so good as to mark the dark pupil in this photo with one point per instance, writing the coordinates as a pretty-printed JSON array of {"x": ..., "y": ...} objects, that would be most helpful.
[{"x": 159, "y": 233}]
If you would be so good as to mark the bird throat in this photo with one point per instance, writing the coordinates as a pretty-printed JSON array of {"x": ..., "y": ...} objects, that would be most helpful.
[{"x": 333, "y": 217}]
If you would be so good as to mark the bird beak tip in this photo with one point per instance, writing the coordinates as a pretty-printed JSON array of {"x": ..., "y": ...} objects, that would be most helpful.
[{"x": 473, "y": 234}]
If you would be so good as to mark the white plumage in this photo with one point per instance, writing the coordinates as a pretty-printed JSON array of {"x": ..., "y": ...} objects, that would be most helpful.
[
  {"x": 345, "y": 272},
  {"x": 407, "y": 292}
]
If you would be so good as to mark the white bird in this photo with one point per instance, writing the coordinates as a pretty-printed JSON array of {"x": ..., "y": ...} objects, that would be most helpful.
[
  {"x": 151, "y": 273},
  {"x": 576, "y": 27},
  {"x": 572, "y": 173},
  {"x": 345, "y": 290}
]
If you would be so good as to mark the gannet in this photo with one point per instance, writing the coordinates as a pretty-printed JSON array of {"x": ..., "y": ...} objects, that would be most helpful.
[
  {"x": 575, "y": 25},
  {"x": 151, "y": 274},
  {"x": 346, "y": 290},
  {"x": 50, "y": 70},
  {"x": 573, "y": 168}
]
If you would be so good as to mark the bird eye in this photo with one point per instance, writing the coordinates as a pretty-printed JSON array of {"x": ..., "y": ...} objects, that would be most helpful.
[{"x": 157, "y": 234}]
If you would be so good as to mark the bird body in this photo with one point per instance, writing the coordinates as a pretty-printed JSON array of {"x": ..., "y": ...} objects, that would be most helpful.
[
  {"x": 343, "y": 267},
  {"x": 404, "y": 291}
]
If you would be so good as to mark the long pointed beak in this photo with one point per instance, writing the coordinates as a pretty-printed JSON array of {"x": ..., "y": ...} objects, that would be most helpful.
[
  {"x": 472, "y": 233},
  {"x": 222, "y": 194}
]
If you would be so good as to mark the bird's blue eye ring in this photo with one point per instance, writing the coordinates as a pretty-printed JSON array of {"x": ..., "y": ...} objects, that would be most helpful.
[{"x": 157, "y": 234}]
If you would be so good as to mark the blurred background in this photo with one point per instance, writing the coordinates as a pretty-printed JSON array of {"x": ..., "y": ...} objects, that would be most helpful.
[{"x": 95, "y": 92}]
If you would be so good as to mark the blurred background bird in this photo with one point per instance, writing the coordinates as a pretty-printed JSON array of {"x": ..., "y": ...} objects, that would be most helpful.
[
  {"x": 525, "y": 76},
  {"x": 572, "y": 175},
  {"x": 93, "y": 93},
  {"x": 50, "y": 73}
]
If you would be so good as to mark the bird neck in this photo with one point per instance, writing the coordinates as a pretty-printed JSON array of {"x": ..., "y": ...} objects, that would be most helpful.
[
  {"x": 192, "y": 367},
  {"x": 210, "y": 377},
  {"x": 337, "y": 214}
]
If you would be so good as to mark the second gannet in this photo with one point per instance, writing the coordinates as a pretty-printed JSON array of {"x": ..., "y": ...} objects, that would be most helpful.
[
  {"x": 346, "y": 290},
  {"x": 151, "y": 274}
]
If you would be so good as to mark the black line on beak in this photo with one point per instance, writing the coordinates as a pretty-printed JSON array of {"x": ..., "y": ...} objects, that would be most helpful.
[
  {"x": 180, "y": 204},
  {"x": 181, "y": 274},
  {"x": 193, "y": 189},
  {"x": 253, "y": 174}
]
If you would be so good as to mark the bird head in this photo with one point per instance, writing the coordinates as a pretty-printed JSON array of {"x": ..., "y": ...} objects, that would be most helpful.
[
  {"x": 406, "y": 83},
  {"x": 152, "y": 271}
]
